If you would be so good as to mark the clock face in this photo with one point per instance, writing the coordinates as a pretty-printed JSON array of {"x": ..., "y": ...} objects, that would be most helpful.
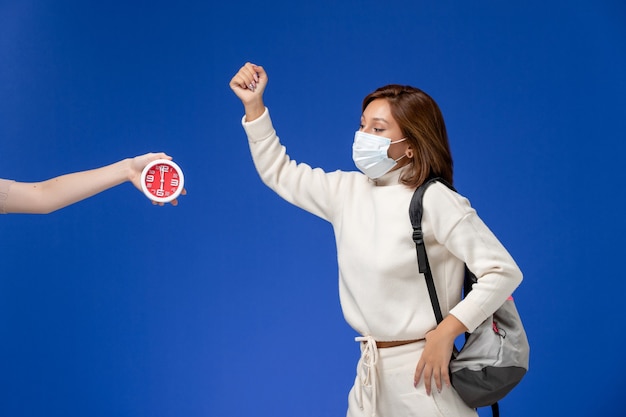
[{"x": 162, "y": 180}]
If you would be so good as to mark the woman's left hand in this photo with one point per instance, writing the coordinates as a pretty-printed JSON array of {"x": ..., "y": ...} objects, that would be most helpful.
[{"x": 437, "y": 353}]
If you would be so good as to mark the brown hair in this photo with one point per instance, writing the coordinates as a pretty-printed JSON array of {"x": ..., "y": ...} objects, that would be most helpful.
[{"x": 422, "y": 123}]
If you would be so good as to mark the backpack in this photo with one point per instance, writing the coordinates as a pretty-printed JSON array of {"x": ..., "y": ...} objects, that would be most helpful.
[{"x": 495, "y": 356}]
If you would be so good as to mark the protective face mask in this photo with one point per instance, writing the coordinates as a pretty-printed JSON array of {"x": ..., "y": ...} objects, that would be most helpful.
[{"x": 369, "y": 153}]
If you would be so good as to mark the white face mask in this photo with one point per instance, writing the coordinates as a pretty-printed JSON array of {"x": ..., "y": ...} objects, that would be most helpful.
[{"x": 369, "y": 153}]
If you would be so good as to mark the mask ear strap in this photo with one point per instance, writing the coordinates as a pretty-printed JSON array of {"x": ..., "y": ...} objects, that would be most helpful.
[{"x": 393, "y": 142}]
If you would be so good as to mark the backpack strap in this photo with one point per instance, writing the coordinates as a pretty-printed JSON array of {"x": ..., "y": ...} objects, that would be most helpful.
[{"x": 415, "y": 212}]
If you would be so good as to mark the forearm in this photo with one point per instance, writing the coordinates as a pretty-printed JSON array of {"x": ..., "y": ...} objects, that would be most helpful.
[{"x": 56, "y": 193}]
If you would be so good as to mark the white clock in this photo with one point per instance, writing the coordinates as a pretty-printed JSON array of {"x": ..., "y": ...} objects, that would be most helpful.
[{"x": 162, "y": 180}]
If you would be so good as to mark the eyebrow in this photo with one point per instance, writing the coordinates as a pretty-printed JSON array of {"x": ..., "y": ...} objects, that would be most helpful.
[{"x": 377, "y": 119}]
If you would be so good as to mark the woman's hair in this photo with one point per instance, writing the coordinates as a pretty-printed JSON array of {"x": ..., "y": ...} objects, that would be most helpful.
[{"x": 422, "y": 123}]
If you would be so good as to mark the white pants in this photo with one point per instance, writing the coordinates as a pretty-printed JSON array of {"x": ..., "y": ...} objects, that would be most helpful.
[{"x": 384, "y": 386}]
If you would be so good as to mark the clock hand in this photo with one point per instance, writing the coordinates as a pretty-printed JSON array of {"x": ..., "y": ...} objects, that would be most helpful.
[{"x": 162, "y": 169}]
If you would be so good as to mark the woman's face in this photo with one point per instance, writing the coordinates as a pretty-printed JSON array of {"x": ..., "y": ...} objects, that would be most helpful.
[{"x": 377, "y": 120}]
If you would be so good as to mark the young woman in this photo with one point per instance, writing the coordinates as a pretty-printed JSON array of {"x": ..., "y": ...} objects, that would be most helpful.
[
  {"x": 50, "y": 195},
  {"x": 402, "y": 141}
]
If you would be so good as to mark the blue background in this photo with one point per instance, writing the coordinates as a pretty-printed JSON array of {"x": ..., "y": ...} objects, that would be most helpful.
[{"x": 227, "y": 305}]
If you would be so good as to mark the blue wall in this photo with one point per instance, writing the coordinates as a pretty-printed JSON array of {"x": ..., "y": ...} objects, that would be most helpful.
[{"x": 240, "y": 315}]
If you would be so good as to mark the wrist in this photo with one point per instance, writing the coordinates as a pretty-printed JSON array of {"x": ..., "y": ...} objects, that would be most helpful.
[
  {"x": 254, "y": 110},
  {"x": 451, "y": 327},
  {"x": 126, "y": 166}
]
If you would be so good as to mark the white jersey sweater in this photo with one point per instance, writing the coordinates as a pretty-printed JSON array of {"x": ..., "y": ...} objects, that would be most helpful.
[{"x": 382, "y": 294}]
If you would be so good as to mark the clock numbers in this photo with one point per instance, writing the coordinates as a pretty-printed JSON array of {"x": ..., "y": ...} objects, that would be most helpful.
[{"x": 162, "y": 180}]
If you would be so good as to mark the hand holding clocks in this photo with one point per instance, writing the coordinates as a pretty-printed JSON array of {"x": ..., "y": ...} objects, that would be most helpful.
[{"x": 162, "y": 181}]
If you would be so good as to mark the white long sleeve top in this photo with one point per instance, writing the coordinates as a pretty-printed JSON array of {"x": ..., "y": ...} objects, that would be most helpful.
[{"x": 381, "y": 291}]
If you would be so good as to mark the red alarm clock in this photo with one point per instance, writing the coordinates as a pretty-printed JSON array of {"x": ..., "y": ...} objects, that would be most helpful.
[{"x": 162, "y": 180}]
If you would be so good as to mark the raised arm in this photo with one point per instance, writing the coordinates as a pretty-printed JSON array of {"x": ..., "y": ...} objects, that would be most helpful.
[{"x": 53, "y": 194}]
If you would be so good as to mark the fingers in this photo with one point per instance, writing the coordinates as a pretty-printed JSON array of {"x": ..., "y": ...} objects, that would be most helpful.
[
  {"x": 173, "y": 202},
  {"x": 418, "y": 373},
  {"x": 250, "y": 74},
  {"x": 246, "y": 77},
  {"x": 437, "y": 376},
  {"x": 249, "y": 77},
  {"x": 153, "y": 156},
  {"x": 425, "y": 373},
  {"x": 429, "y": 373},
  {"x": 138, "y": 163},
  {"x": 446, "y": 377},
  {"x": 160, "y": 155}
]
